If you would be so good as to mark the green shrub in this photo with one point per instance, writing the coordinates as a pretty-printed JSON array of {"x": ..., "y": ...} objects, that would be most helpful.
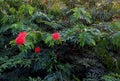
[{"x": 63, "y": 40}]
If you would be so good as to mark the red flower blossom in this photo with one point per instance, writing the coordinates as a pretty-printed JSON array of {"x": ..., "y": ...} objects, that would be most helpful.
[
  {"x": 55, "y": 36},
  {"x": 37, "y": 49},
  {"x": 22, "y": 34},
  {"x": 20, "y": 40}
]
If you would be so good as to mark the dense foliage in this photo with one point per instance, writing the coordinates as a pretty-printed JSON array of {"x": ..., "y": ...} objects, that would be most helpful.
[{"x": 59, "y": 40}]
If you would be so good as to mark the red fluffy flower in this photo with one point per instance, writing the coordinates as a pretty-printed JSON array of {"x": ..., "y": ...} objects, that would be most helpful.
[
  {"x": 37, "y": 49},
  {"x": 20, "y": 40},
  {"x": 55, "y": 36},
  {"x": 22, "y": 34}
]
